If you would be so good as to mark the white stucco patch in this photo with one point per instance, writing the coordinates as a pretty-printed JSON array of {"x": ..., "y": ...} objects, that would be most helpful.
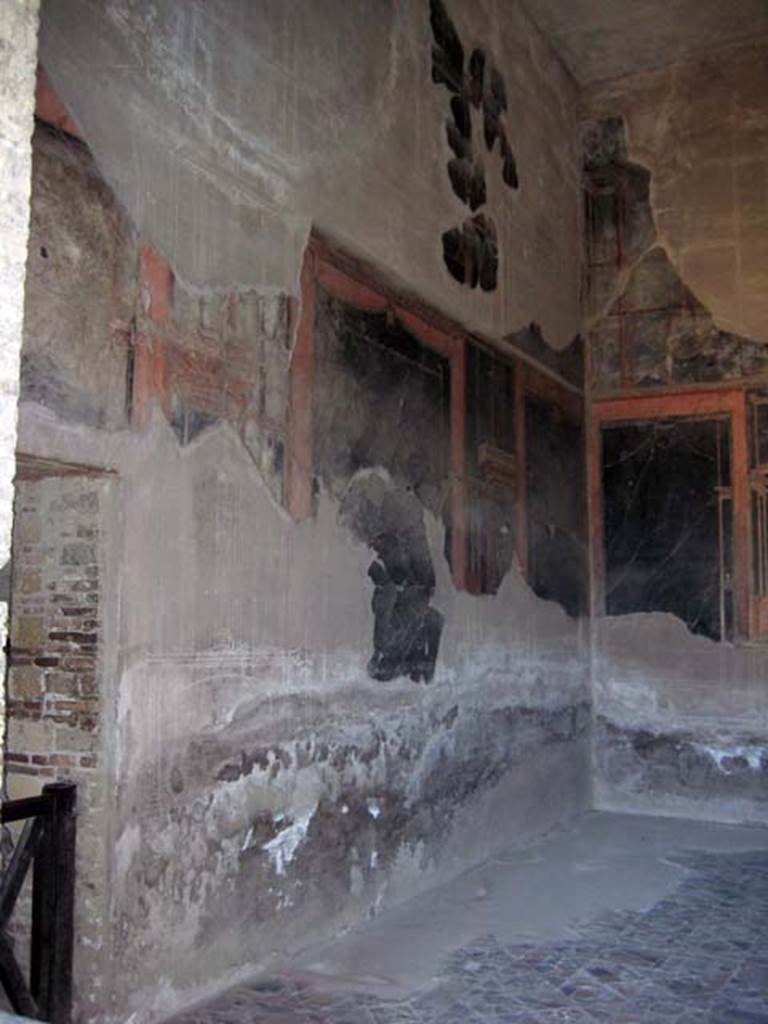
[
  {"x": 282, "y": 849},
  {"x": 720, "y": 755}
]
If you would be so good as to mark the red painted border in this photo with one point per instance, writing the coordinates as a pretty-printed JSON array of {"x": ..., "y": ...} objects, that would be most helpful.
[
  {"x": 49, "y": 108},
  {"x": 157, "y": 284},
  {"x": 458, "y": 360},
  {"x": 521, "y": 475},
  {"x": 299, "y": 482},
  {"x": 149, "y": 353}
]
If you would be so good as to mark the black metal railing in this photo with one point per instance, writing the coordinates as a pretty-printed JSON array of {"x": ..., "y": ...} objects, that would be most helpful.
[{"x": 47, "y": 843}]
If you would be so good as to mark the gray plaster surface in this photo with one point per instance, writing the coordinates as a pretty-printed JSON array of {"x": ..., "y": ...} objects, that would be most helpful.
[
  {"x": 605, "y": 39},
  {"x": 620, "y": 918},
  {"x": 228, "y": 128},
  {"x": 210, "y": 676},
  {"x": 693, "y": 700},
  {"x": 605, "y": 862}
]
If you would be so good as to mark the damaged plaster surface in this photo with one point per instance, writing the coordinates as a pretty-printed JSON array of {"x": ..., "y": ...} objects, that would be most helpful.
[
  {"x": 278, "y": 774},
  {"x": 700, "y": 128},
  {"x": 381, "y": 449},
  {"x": 261, "y": 774},
  {"x": 674, "y": 339},
  {"x": 681, "y": 721},
  {"x": 648, "y": 328},
  {"x": 407, "y": 628},
  {"x": 242, "y": 124},
  {"x": 18, "y": 47},
  {"x": 82, "y": 250}
]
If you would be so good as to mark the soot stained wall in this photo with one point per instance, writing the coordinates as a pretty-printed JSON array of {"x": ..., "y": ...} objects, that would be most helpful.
[
  {"x": 477, "y": 90},
  {"x": 666, "y": 529},
  {"x": 381, "y": 399},
  {"x": 490, "y": 441},
  {"x": 381, "y": 447},
  {"x": 557, "y": 555}
]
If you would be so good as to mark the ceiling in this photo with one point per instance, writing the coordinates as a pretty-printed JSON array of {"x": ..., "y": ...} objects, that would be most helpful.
[{"x": 603, "y": 39}]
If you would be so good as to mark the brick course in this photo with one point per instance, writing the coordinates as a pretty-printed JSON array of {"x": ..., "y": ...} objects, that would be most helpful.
[{"x": 55, "y": 627}]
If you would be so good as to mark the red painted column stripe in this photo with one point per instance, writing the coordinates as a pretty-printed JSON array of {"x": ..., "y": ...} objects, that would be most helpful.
[
  {"x": 458, "y": 462},
  {"x": 300, "y": 415}
]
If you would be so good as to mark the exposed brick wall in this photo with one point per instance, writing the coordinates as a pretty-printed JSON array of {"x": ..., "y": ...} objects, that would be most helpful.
[{"x": 55, "y": 691}]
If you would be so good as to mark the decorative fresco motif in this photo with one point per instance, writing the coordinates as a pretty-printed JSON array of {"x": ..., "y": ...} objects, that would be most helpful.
[
  {"x": 470, "y": 250},
  {"x": 648, "y": 328}
]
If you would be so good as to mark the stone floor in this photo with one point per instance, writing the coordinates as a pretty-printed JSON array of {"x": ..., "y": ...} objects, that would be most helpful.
[{"x": 694, "y": 950}]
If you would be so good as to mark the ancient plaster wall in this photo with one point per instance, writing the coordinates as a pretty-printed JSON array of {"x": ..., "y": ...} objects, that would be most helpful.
[
  {"x": 270, "y": 790},
  {"x": 229, "y": 128},
  {"x": 701, "y": 129},
  {"x": 18, "y": 47},
  {"x": 267, "y": 789},
  {"x": 681, "y": 721},
  {"x": 81, "y": 288},
  {"x": 80, "y": 293}
]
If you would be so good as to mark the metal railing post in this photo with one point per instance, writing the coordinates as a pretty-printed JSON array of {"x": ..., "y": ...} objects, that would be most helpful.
[{"x": 53, "y": 891}]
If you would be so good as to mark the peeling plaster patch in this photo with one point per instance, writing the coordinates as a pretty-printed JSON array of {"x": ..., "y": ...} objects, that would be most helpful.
[
  {"x": 127, "y": 846},
  {"x": 725, "y": 756},
  {"x": 283, "y": 847},
  {"x": 712, "y": 775},
  {"x": 680, "y": 721}
]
